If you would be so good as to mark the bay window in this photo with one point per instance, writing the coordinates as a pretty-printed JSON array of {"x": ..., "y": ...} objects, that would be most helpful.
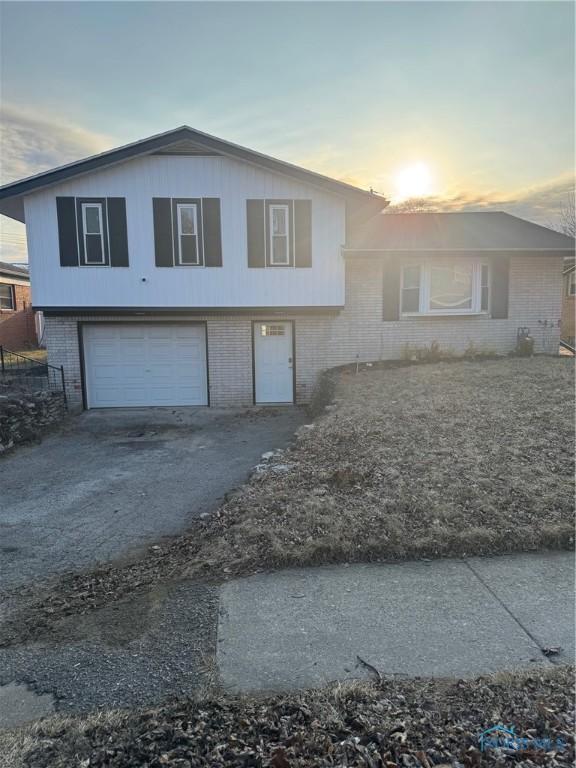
[{"x": 445, "y": 287}]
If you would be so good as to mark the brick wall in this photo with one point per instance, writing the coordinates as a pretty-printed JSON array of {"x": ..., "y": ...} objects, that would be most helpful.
[
  {"x": 229, "y": 353},
  {"x": 357, "y": 333},
  {"x": 360, "y": 333},
  {"x": 17, "y": 326}
]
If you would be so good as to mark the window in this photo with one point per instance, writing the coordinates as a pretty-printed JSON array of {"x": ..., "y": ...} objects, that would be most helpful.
[
  {"x": 571, "y": 283},
  {"x": 272, "y": 330},
  {"x": 7, "y": 297},
  {"x": 445, "y": 287},
  {"x": 279, "y": 235},
  {"x": 187, "y": 233},
  {"x": 451, "y": 286},
  {"x": 411, "y": 289},
  {"x": 93, "y": 229}
]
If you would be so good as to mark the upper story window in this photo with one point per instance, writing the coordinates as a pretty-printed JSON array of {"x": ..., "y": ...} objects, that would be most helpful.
[
  {"x": 187, "y": 217},
  {"x": 571, "y": 283},
  {"x": 279, "y": 235},
  {"x": 7, "y": 297},
  {"x": 93, "y": 231},
  {"x": 445, "y": 287}
]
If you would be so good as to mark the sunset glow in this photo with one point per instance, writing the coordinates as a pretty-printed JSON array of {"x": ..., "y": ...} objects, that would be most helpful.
[{"x": 413, "y": 181}]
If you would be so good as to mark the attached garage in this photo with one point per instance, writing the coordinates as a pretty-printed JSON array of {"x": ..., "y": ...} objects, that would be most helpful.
[{"x": 143, "y": 364}]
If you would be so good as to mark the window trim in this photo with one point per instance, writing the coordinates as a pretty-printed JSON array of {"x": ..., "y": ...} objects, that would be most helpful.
[
  {"x": 286, "y": 208},
  {"x": 425, "y": 286},
  {"x": 80, "y": 202},
  {"x": 11, "y": 308},
  {"x": 83, "y": 207},
  {"x": 179, "y": 261}
]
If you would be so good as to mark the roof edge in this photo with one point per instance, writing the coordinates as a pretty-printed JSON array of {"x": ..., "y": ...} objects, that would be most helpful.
[{"x": 145, "y": 146}]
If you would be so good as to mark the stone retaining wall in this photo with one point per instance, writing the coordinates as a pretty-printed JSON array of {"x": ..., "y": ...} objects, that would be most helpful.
[{"x": 26, "y": 416}]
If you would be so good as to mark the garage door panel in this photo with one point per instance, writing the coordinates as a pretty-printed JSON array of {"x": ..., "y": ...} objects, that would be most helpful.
[{"x": 145, "y": 364}]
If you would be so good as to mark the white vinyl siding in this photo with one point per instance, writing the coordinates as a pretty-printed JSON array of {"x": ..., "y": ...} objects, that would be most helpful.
[{"x": 192, "y": 178}]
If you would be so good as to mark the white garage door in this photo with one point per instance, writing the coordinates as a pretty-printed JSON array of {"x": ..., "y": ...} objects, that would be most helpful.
[{"x": 133, "y": 364}]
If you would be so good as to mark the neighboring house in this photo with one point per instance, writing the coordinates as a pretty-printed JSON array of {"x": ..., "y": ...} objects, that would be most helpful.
[
  {"x": 569, "y": 303},
  {"x": 17, "y": 322},
  {"x": 185, "y": 270}
]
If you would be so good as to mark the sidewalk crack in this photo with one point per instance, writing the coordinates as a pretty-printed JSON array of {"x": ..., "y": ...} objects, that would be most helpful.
[{"x": 508, "y": 611}]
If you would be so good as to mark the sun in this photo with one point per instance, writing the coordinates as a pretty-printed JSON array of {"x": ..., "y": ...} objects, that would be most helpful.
[{"x": 413, "y": 181}]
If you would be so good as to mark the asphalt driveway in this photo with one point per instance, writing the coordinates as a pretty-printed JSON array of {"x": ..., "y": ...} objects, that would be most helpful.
[{"x": 116, "y": 480}]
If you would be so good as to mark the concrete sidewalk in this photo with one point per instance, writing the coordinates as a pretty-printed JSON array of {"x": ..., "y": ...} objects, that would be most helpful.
[{"x": 306, "y": 627}]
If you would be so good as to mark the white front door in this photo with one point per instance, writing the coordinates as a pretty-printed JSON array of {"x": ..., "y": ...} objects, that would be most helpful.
[
  {"x": 273, "y": 362},
  {"x": 136, "y": 364}
]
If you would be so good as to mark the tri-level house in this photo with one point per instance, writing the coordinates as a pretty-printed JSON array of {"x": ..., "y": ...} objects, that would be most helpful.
[{"x": 186, "y": 270}]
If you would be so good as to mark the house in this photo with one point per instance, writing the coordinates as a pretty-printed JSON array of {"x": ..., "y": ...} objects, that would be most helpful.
[
  {"x": 569, "y": 304},
  {"x": 17, "y": 321},
  {"x": 186, "y": 270}
]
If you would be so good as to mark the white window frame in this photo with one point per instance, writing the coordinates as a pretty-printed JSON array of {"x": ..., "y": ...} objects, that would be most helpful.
[
  {"x": 12, "y": 307},
  {"x": 571, "y": 283},
  {"x": 425, "y": 285},
  {"x": 179, "y": 208},
  {"x": 101, "y": 262},
  {"x": 286, "y": 209}
]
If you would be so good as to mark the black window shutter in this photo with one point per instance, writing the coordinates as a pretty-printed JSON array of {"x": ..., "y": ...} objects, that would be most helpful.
[
  {"x": 117, "y": 232},
  {"x": 67, "y": 231},
  {"x": 163, "y": 247},
  {"x": 302, "y": 233},
  {"x": 212, "y": 232},
  {"x": 256, "y": 233},
  {"x": 391, "y": 289},
  {"x": 500, "y": 271}
]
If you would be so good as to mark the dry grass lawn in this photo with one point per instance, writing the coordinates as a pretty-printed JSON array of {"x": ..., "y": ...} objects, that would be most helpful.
[
  {"x": 426, "y": 461},
  {"x": 410, "y": 724},
  {"x": 434, "y": 460}
]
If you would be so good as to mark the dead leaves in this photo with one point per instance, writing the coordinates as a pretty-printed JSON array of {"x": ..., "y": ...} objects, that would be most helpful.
[{"x": 387, "y": 724}]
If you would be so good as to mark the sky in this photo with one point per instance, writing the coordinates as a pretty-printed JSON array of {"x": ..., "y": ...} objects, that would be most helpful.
[{"x": 468, "y": 103}]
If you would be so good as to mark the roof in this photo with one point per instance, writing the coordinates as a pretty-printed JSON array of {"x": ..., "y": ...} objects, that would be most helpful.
[
  {"x": 13, "y": 270},
  {"x": 179, "y": 141},
  {"x": 462, "y": 231}
]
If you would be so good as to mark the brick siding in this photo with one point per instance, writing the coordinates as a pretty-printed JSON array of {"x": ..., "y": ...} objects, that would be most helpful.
[
  {"x": 17, "y": 326},
  {"x": 358, "y": 333}
]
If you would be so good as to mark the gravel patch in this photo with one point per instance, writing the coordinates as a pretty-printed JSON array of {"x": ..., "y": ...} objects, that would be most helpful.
[{"x": 132, "y": 653}]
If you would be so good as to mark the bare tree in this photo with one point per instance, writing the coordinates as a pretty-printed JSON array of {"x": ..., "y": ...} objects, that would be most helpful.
[
  {"x": 568, "y": 216},
  {"x": 414, "y": 205}
]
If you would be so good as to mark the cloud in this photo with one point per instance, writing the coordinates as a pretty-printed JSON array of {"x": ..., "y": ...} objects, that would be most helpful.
[
  {"x": 541, "y": 203},
  {"x": 32, "y": 143}
]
